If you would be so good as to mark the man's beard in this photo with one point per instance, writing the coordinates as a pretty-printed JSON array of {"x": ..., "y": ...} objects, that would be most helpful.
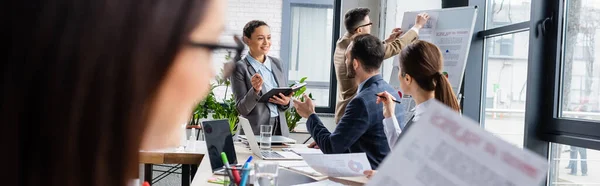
[{"x": 350, "y": 72}]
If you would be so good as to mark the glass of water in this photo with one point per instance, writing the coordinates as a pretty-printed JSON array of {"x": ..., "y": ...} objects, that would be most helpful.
[
  {"x": 265, "y": 137},
  {"x": 265, "y": 173}
]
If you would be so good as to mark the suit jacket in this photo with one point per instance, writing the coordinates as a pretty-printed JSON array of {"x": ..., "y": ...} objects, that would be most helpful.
[
  {"x": 246, "y": 100},
  {"x": 361, "y": 127},
  {"x": 346, "y": 86}
]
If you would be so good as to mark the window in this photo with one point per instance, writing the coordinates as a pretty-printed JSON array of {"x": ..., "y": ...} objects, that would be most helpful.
[
  {"x": 506, "y": 12},
  {"x": 553, "y": 63},
  {"x": 572, "y": 165},
  {"x": 567, "y": 83},
  {"x": 505, "y": 42},
  {"x": 307, "y": 47},
  {"x": 580, "y": 95},
  {"x": 311, "y": 47},
  {"x": 504, "y": 114},
  {"x": 501, "y": 46}
]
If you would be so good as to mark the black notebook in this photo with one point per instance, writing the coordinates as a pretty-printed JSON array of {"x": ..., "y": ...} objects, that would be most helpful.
[{"x": 284, "y": 90}]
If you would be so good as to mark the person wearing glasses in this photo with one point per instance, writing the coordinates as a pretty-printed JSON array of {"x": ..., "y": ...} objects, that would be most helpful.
[
  {"x": 91, "y": 83},
  {"x": 255, "y": 75},
  {"x": 420, "y": 76},
  {"x": 357, "y": 22}
]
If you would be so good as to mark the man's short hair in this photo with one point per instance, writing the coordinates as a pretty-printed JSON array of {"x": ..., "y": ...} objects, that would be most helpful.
[
  {"x": 354, "y": 17},
  {"x": 369, "y": 51}
]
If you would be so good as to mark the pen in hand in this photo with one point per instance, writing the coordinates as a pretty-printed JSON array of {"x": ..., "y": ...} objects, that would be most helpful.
[{"x": 382, "y": 97}]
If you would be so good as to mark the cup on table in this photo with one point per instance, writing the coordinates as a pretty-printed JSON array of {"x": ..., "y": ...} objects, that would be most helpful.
[
  {"x": 265, "y": 173},
  {"x": 265, "y": 137}
]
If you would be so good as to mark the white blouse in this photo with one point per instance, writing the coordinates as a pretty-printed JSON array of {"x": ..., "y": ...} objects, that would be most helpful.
[{"x": 392, "y": 128}]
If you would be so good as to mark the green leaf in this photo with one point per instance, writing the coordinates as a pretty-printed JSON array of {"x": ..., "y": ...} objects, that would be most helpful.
[{"x": 303, "y": 79}]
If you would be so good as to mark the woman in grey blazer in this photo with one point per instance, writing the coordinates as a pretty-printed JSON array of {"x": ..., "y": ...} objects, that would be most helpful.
[{"x": 255, "y": 75}]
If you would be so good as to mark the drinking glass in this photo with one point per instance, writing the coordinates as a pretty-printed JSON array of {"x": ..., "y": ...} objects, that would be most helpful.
[
  {"x": 266, "y": 173},
  {"x": 265, "y": 137}
]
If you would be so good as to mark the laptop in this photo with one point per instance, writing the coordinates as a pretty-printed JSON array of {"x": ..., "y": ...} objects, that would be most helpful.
[
  {"x": 219, "y": 139},
  {"x": 266, "y": 155}
]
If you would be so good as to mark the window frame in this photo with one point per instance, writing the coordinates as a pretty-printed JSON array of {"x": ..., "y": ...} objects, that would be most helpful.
[
  {"x": 569, "y": 131},
  {"x": 544, "y": 74},
  {"x": 286, "y": 38},
  {"x": 475, "y": 75}
]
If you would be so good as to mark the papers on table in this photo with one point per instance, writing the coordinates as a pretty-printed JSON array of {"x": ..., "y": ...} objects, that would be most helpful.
[
  {"x": 288, "y": 164},
  {"x": 302, "y": 151},
  {"x": 322, "y": 183},
  {"x": 338, "y": 165},
  {"x": 299, "y": 166},
  {"x": 306, "y": 170},
  {"x": 298, "y": 145},
  {"x": 444, "y": 149}
]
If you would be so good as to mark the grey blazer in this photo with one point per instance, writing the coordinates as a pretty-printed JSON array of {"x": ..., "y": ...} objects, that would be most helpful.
[{"x": 246, "y": 100}]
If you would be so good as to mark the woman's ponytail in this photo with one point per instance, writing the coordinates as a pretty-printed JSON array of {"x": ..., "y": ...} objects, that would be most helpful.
[
  {"x": 424, "y": 61},
  {"x": 444, "y": 92}
]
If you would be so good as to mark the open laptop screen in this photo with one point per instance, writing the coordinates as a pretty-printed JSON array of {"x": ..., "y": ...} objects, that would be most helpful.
[{"x": 218, "y": 139}]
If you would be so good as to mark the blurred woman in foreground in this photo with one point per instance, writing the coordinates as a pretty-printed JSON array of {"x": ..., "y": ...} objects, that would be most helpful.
[{"x": 92, "y": 82}]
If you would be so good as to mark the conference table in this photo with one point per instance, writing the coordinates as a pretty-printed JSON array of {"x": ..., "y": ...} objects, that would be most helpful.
[
  {"x": 204, "y": 171},
  {"x": 188, "y": 159}
]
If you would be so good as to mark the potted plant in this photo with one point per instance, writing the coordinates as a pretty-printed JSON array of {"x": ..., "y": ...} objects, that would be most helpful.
[{"x": 291, "y": 116}]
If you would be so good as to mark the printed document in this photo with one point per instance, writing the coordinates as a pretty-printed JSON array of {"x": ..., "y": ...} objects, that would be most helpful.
[
  {"x": 338, "y": 165},
  {"x": 443, "y": 148}
]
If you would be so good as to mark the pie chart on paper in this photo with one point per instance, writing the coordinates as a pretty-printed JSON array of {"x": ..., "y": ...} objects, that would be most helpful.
[{"x": 355, "y": 166}]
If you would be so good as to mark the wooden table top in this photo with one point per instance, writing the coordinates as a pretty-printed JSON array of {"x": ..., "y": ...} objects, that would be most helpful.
[{"x": 174, "y": 156}]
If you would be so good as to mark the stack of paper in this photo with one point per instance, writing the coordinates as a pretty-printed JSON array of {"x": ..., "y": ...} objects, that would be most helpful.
[
  {"x": 302, "y": 151},
  {"x": 288, "y": 164},
  {"x": 339, "y": 165},
  {"x": 299, "y": 166},
  {"x": 322, "y": 183},
  {"x": 306, "y": 170}
]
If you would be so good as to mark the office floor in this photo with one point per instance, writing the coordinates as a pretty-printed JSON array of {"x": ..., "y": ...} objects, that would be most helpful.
[{"x": 175, "y": 179}]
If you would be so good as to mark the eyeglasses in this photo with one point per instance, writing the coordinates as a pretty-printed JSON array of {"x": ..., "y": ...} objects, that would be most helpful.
[
  {"x": 229, "y": 66},
  {"x": 368, "y": 24}
]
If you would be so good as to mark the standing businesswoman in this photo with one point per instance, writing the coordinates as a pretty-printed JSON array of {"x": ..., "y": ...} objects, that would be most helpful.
[{"x": 255, "y": 75}]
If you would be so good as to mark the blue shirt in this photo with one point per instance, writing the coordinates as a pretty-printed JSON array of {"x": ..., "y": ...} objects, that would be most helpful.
[
  {"x": 360, "y": 86},
  {"x": 265, "y": 70}
]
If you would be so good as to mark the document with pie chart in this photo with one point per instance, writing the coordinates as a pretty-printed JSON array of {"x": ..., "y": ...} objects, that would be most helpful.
[{"x": 338, "y": 165}]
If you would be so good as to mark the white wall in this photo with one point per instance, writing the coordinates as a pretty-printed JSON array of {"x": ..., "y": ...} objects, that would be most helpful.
[{"x": 240, "y": 12}]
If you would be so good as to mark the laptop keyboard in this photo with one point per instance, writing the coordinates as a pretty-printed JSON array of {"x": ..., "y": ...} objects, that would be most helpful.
[{"x": 270, "y": 154}]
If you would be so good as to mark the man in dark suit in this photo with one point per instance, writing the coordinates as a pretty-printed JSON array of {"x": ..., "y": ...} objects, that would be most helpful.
[{"x": 361, "y": 127}]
